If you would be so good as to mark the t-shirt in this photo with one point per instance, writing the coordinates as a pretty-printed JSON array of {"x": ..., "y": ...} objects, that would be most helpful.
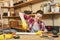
[{"x": 35, "y": 27}]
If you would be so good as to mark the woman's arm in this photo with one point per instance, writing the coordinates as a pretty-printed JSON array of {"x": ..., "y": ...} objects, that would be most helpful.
[
  {"x": 26, "y": 18},
  {"x": 24, "y": 24}
]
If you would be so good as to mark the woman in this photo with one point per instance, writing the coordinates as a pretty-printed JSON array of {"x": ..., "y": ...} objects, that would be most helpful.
[{"x": 34, "y": 24}]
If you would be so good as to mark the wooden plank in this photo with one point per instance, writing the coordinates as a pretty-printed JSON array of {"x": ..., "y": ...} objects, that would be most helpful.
[
  {"x": 10, "y": 16},
  {"x": 17, "y": 28},
  {"x": 48, "y": 13},
  {"x": 29, "y": 3},
  {"x": 7, "y": 7},
  {"x": 32, "y": 14},
  {"x": 34, "y": 37}
]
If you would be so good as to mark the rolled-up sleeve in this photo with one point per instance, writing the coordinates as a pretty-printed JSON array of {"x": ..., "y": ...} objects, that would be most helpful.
[
  {"x": 27, "y": 17},
  {"x": 30, "y": 20}
]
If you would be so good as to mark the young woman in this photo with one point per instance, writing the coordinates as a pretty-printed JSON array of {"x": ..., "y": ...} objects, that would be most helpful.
[{"x": 34, "y": 24}]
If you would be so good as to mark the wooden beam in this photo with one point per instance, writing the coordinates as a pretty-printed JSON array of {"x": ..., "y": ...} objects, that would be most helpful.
[{"x": 29, "y": 3}]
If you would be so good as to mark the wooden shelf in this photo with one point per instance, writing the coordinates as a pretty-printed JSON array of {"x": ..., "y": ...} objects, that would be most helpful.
[
  {"x": 10, "y": 16},
  {"x": 28, "y": 3},
  {"x": 7, "y": 7},
  {"x": 17, "y": 28},
  {"x": 48, "y": 13},
  {"x": 1, "y": 1},
  {"x": 58, "y": 5},
  {"x": 32, "y": 14}
]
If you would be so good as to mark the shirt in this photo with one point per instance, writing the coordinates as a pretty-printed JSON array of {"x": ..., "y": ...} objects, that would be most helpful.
[
  {"x": 35, "y": 27},
  {"x": 31, "y": 23}
]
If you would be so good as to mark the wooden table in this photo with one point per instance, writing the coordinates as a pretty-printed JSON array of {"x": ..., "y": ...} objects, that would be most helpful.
[{"x": 33, "y": 36}]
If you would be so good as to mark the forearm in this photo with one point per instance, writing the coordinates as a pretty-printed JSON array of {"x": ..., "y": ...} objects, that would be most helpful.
[
  {"x": 21, "y": 16},
  {"x": 24, "y": 16},
  {"x": 24, "y": 24}
]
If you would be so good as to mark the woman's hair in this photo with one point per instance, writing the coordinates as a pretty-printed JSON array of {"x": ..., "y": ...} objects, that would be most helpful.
[{"x": 39, "y": 11}]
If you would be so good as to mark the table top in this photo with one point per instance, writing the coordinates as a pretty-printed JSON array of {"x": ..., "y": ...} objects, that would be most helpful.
[{"x": 33, "y": 36}]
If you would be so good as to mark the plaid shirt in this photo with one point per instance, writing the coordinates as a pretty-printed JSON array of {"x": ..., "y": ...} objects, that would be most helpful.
[{"x": 30, "y": 22}]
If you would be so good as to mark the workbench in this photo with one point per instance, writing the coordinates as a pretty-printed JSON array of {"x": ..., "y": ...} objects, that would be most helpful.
[{"x": 33, "y": 36}]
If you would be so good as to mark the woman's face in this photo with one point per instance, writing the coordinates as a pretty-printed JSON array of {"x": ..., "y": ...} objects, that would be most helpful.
[{"x": 38, "y": 16}]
